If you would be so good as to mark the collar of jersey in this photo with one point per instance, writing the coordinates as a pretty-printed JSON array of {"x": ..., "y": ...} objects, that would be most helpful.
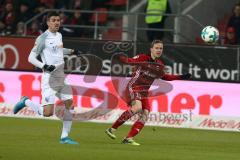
[{"x": 51, "y": 33}]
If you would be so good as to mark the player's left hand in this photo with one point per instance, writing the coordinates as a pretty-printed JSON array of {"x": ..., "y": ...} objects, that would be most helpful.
[
  {"x": 77, "y": 52},
  {"x": 186, "y": 76},
  {"x": 48, "y": 68}
]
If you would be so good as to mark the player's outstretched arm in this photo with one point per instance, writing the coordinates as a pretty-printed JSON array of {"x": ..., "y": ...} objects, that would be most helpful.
[
  {"x": 186, "y": 76},
  {"x": 137, "y": 59},
  {"x": 171, "y": 77},
  {"x": 72, "y": 51},
  {"x": 77, "y": 52}
]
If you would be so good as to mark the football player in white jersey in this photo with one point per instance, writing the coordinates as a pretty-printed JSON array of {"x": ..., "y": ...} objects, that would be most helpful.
[{"x": 49, "y": 46}]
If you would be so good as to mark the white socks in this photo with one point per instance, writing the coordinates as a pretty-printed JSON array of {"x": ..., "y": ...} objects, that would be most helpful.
[
  {"x": 67, "y": 123},
  {"x": 66, "y": 128},
  {"x": 37, "y": 108},
  {"x": 67, "y": 116}
]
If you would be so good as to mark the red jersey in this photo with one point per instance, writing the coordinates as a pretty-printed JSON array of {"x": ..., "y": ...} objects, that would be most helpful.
[{"x": 146, "y": 71}]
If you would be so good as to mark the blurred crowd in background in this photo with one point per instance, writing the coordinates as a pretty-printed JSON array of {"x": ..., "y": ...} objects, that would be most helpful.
[
  {"x": 15, "y": 13},
  {"x": 232, "y": 33}
]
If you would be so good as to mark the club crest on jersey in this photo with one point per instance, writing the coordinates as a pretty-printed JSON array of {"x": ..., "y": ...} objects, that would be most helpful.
[
  {"x": 54, "y": 48},
  {"x": 152, "y": 75}
]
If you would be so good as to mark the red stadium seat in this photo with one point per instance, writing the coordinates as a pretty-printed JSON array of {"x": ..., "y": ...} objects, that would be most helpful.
[
  {"x": 114, "y": 33},
  {"x": 102, "y": 17},
  {"x": 117, "y": 2}
]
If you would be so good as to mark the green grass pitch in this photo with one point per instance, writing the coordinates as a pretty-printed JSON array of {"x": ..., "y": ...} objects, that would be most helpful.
[{"x": 31, "y": 139}]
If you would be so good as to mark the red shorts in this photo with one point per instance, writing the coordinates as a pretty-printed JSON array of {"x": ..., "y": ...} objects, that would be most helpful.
[{"x": 141, "y": 96}]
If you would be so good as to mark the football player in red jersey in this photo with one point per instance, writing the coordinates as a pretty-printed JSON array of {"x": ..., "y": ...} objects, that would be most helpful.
[{"x": 148, "y": 68}]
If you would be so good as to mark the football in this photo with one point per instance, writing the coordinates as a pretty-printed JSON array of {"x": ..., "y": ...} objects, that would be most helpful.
[{"x": 210, "y": 34}]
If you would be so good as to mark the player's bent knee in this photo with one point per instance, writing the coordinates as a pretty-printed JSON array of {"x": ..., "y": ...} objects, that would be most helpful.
[
  {"x": 145, "y": 112},
  {"x": 136, "y": 109},
  {"x": 145, "y": 115},
  {"x": 136, "y": 106},
  {"x": 47, "y": 114},
  {"x": 48, "y": 110},
  {"x": 69, "y": 104}
]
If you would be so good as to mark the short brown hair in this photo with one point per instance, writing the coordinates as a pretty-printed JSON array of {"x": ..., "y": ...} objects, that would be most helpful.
[
  {"x": 51, "y": 14},
  {"x": 156, "y": 41}
]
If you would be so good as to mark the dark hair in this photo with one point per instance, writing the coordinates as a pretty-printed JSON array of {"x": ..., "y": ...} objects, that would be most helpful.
[
  {"x": 51, "y": 14},
  {"x": 156, "y": 41}
]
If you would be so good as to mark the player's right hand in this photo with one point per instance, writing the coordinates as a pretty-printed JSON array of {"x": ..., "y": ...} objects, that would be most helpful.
[
  {"x": 77, "y": 52},
  {"x": 186, "y": 76},
  {"x": 48, "y": 68}
]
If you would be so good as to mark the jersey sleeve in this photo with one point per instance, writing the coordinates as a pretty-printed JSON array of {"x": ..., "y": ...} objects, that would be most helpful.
[
  {"x": 168, "y": 77},
  {"x": 65, "y": 50},
  {"x": 171, "y": 77},
  {"x": 136, "y": 59},
  {"x": 60, "y": 38},
  {"x": 37, "y": 50}
]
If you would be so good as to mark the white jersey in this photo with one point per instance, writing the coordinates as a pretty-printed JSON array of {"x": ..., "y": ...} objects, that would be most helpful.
[
  {"x": 50, "y": 47},
  {"x": 52, "y": 53}
]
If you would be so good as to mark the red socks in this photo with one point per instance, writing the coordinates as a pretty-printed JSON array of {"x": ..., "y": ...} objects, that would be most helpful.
[
  {"x": 136, "y": 128},
  {"x": 123, "y": 118}
]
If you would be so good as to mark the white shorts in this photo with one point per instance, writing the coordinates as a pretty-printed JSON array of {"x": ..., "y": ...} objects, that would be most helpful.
[{"x": 55, "y": 85}]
